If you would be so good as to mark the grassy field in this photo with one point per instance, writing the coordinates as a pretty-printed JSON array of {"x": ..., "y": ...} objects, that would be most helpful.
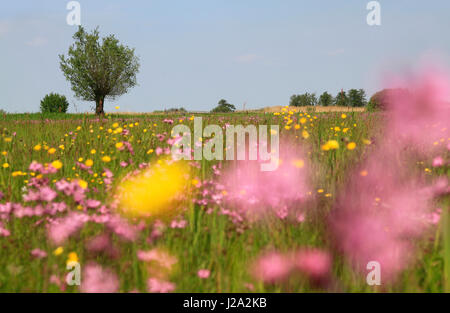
[{"x": 97, "y": 153}]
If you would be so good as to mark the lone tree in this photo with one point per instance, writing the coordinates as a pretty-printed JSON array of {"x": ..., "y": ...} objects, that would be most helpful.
[
  {"x": 224, "y": 107},
  {"x": 99, "y": 70}
]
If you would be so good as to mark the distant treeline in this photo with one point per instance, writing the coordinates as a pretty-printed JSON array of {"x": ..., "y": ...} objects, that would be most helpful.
[
  {"x": 172, "y": 110},
  {"x": 352, "y": 98}
]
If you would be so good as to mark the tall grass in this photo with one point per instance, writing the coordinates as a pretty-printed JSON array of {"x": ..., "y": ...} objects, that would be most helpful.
[{"x": 209, "y": 240}]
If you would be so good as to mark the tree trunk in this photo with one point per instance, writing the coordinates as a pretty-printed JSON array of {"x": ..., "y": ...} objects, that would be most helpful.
[{"x": 99, "y": 106}]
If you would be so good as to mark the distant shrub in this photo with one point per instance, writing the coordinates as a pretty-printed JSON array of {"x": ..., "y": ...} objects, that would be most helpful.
[
  {"x": 54, "y": 103},
  {"x": 224, "y": 107},
  {"x": 3, "y": 112},
  {"x": 176, "y": 110},
  {"x": 372, "y": 106},
  {"x": 381, "y": 99}
]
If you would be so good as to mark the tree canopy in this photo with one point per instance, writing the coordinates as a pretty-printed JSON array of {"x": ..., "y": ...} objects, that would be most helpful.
[
  {"x": 224, "y": 107},
  {"x": 341, "y": 99},
  {"x": 357, "y": 97},
  {"x": 306, "y": 99},
  {"x": 99, "y": 69},
  {"x": 326, "y": 99}
]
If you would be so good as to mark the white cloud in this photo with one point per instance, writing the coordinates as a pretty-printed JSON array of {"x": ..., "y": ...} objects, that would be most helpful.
[
  {"x": 37, "y": 41},
  {"x": 248, "y": 58}
]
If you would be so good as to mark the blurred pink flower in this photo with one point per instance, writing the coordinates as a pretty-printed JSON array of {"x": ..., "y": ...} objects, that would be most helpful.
[
  {"x": 435, "y": 217},
  {"x": 378, "y": 216},
  {"x": 63, "y": 228},
  {"x": 160, "y": 286},
  {"x": 98, "y": 280},
  {"x": 301, "y": 217},
  {"x": 168, "y": 121},
  {"x": 272, "y": 267},
  {"x": 314, "y": 263},
  {"x": 38, "y": 253},
  {"x": 160, "y": 256},
  {"x": 249, "y": 286},
  {"x": 178, "y": 224},
  {"x": 92, "y": 204},
  {"x": 122, "y": 227},
  {"x": 47, "y": 194},
  {"x": 3, "y": 231},
  {"x": 438, "y": 161},
  {"x": 203, "y": 273},
  {"x": 253, "y": 193},
  {"x": 421, "y": 114}
]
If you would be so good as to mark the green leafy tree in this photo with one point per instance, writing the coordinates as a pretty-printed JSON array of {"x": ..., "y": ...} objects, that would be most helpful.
[
  {"x": 341, "y": 99},
  {"x": 54, "y": 103},
  {"x": 224, "y": 107},
  {"x": 363, "y": 97},
  {"x": 306, "y": 99},
  {"x": 326, "y": 99},
  {"x": 357, "y": 98},
  {"x": 99, "y": 69}
]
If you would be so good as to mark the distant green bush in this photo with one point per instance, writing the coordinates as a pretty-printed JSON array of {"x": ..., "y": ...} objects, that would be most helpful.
[
  {"x": 224, "y": 107},
  {"x": 381, "y": 99},
  {"x": 175, "y": 110},
  {"x": 54, "y": 103}
]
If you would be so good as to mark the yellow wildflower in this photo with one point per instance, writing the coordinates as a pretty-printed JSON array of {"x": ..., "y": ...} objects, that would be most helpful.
[
  {"x": 82, "y": 183},
  {"x": 330, "y": 145},
  {"x": 119, "y": 145},
  {"x": 72, "y": 258},
  {"x": 58, "y": 251},
  {"x": 57, "y": 164},
  {"x": 298, "y": 163},
  {"x": 351, "y": 146}
]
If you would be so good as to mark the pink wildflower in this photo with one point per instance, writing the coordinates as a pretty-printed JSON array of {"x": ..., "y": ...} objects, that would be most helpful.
[
  {"x": 203, "y": 274},
  {"x": 38, "y": 253},
  {"x": 160, "y": 286},
  {"x": 98, "y": 280}
]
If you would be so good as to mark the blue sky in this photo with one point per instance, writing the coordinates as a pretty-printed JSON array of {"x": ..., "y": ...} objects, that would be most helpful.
[{"x": 193, "y": 53}]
